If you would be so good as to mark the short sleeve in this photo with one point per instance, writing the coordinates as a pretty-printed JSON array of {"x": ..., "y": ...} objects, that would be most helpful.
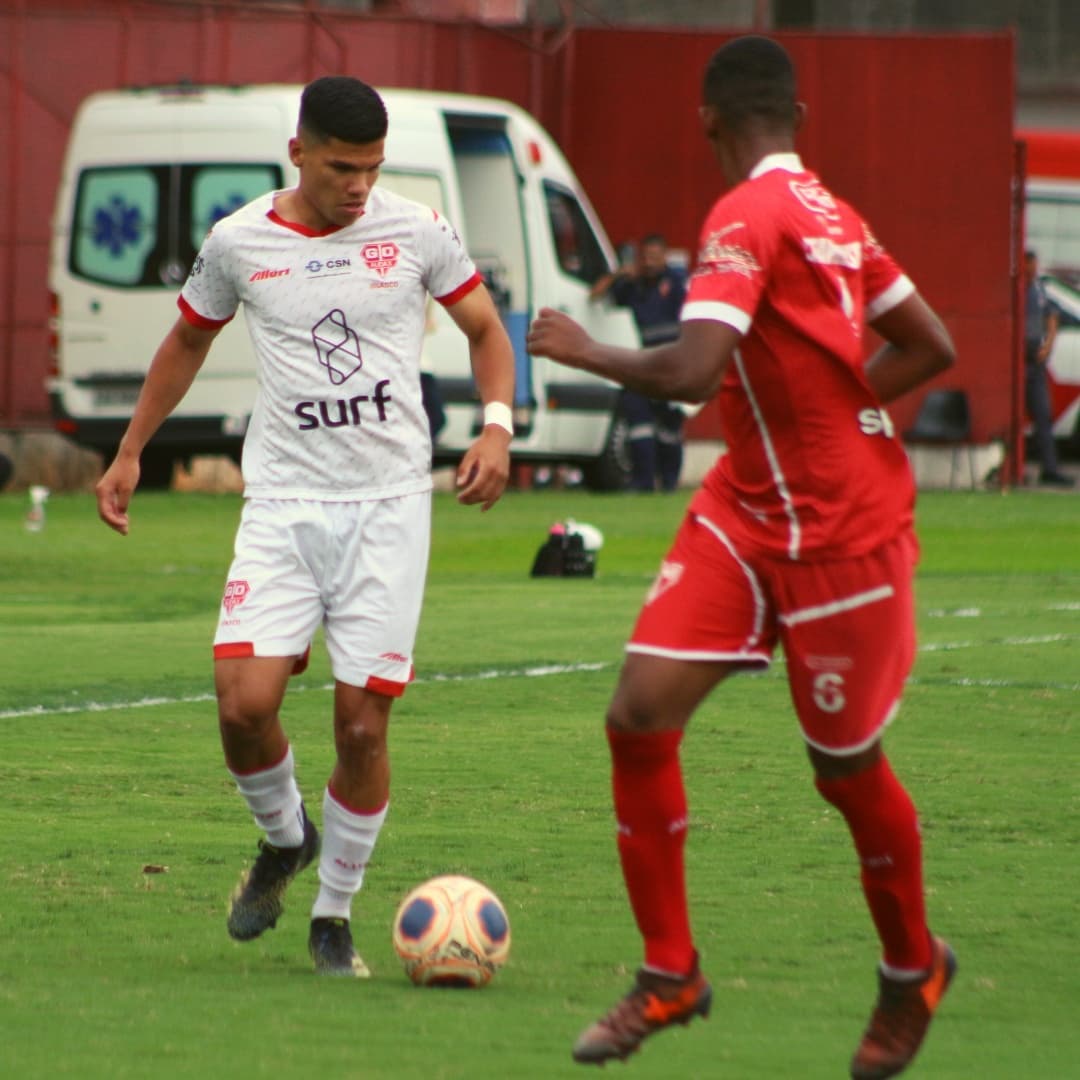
[
  {"x": 884, "y": 284},
  {"x": 209, "y": 297},
  {"x": 449, "y": 272},
  {"x": 732, "y": 268}
]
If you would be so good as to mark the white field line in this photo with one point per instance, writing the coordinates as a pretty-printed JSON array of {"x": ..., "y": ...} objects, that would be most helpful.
[
  {"x": 194, "y": 699},
  {"x": 560, "y": 669}
]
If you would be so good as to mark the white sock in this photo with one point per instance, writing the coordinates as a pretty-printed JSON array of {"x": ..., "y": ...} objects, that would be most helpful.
[
  {"x": 274, "y": 801},
  {"x": 348, "y": 841}
]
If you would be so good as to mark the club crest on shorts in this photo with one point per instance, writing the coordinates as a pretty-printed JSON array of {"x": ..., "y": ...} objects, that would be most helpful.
[
  {"x": 669, "y": 576},
  {"x": 236, "y": 593}
]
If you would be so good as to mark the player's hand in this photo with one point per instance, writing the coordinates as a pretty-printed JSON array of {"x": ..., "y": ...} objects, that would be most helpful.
[
  {"x": 485, "y": 468},
  {"x": 556, "y": 335},
  {"x": 114, "y": 491}
]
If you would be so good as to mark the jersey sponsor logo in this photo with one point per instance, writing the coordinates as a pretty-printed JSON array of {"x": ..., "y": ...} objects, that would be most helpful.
[
  {"x": 236, "y": 592},
  {"x": 822, "y": 249},
  {"x": 266, "y": 275},
  {"x": 380, "y": 256},
  {"x": 330, "y": 268},
  {"x": 876, "y": 422},
  {"x": 719, "y": 256},
  {"x": 345, "y": 412},
  {"x": 337, "y": 346},
  {"x": 818, "y": 201},
  {"x": 197, "y": 266}
]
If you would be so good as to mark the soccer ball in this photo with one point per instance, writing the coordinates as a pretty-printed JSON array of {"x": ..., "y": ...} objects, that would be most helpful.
[{"x": 451, "y": 931}]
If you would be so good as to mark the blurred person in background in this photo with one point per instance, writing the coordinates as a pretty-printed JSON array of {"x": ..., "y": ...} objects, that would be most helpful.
[
  {"x": 654, "y": 291},
  {"x": 1040, "y": 330}
]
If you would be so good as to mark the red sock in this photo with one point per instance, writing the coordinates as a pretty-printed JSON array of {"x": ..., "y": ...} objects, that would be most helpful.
[
  {"x": 650, "y": 809},
  {"x": 885, "y": 828}
]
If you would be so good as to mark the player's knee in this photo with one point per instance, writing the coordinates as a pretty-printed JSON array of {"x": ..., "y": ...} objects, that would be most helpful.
[{"x": 360, "y": 739}]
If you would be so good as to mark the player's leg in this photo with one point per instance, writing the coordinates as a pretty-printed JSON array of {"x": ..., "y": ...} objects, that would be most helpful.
[
  {"x": 260, "y": 760},
  {"x": 355, "y": 804},
  {"x": 270, "y": 610},
  {"x": 371, "y": 624},
  {"x": 848, "y": 632},
  {"x": 703, "y": 618}
]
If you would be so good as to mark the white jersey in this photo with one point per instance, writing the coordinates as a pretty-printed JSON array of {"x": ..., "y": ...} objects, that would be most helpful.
[{"x": 337, "y": 320}]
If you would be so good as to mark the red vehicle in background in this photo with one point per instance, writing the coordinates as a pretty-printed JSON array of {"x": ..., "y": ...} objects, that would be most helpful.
[{"x": 1053, "y": 231}]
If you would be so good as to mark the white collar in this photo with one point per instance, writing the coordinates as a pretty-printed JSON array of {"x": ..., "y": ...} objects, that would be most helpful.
[{"x": 789, "y": 162}]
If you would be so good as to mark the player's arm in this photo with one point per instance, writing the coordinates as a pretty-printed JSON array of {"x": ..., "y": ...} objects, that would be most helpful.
[
  {"x": 917, "y": 347},
  {"x": 172, "y": 371},
  {"x": 688, "y": 369},
  {"x": 485, "y": 468}
]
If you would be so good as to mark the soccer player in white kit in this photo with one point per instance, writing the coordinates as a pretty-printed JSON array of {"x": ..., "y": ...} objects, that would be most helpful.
[{"x": 334, "y": 276}]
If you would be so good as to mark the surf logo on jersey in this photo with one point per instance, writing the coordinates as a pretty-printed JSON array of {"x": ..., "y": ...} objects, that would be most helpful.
[
  {"x": 345, "y": 412},
  {"x": 719, "y": 256},
  {"x": 876, "y": 422},
  {"x": 337, "y": 346},
  {"x": 380, "y": 256},
  {"x": 236, "y": 592}
]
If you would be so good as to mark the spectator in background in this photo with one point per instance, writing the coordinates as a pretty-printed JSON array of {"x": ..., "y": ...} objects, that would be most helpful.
[
  {"x": 7, "y": 467},
  {"x": 1040, "y": 329},
  {"x": 654, "y": 291}
]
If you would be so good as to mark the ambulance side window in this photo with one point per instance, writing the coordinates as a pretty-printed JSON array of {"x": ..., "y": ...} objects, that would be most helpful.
[
  {"x": 115, "y": 226},
  {"x": 219, "y": 190},
  {"x": 577, "y": 248}
]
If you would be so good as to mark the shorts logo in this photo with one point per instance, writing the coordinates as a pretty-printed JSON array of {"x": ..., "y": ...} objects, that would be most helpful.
[
  {"x": 236, "y": 592},
  {"x": 381, "y": 256},
  {"x": 336, "y": 346},
  {"x": 395, "y": 656},
  {"x": 670, "y": 575}
]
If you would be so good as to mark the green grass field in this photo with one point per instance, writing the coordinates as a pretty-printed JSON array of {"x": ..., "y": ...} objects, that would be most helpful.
[{"x": 112, "y": 770}]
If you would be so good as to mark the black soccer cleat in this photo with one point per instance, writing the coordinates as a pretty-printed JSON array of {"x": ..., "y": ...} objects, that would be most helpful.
[
  {"x": 257, "y": 901},
  {"x": 331, "y": 946}
]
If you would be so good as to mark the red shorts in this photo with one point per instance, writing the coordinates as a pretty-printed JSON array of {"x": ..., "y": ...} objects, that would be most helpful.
[{"x": 847, "y": 626}]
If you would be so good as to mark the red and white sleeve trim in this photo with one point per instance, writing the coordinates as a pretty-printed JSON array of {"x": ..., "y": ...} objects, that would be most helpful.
[
  {"x": 461, "y": 291},
  {"x": 197, "y": 320}
]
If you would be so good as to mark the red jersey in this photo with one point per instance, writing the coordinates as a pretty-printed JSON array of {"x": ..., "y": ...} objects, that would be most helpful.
[{"x": 814, "y": 468}]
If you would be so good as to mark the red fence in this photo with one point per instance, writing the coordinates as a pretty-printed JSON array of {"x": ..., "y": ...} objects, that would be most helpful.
[{"x": 916, "y": 131}]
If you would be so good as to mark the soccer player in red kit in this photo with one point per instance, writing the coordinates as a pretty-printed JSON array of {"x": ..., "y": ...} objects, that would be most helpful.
[{"x": 802, "y": 535}]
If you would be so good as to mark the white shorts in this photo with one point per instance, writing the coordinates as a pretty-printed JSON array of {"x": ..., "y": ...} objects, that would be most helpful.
[{"x": 356, "y": 567}]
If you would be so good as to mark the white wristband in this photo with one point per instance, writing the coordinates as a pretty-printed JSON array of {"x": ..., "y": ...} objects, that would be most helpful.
[{"x": 495, "y": 412}]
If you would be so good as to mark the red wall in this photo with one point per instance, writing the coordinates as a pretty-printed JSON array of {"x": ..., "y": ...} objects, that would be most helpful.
[{"x": 915, "y": 131}]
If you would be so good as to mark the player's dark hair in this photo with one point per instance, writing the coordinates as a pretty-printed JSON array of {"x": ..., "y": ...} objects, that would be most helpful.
[
  {"x": 340, "y": 107},
  {"x": 751, "y": 80},
  {"x": 654, "y": 238}
]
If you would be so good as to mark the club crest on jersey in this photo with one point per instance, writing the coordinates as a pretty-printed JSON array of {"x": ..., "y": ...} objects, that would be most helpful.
[
  {"x": 670, "y": 575},
  {"x": 381, "y": 256},
  {"x": 337, "y": 346},
  {"x": 236, "y": 592}
]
